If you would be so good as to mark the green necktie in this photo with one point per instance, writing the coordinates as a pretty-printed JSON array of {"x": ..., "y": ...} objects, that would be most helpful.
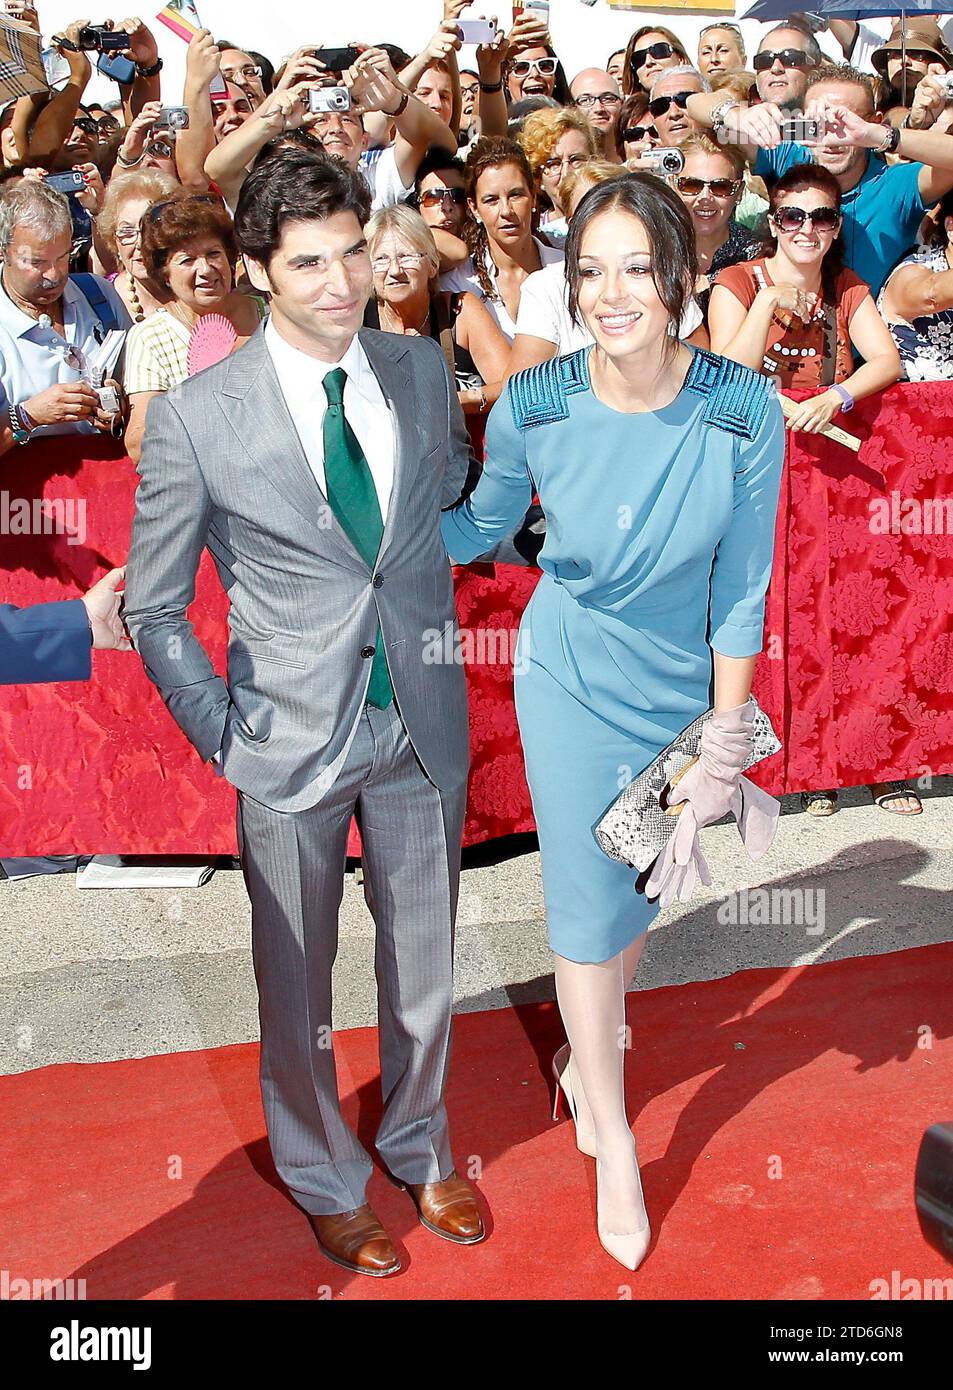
[{"x": 350, "y": 490}]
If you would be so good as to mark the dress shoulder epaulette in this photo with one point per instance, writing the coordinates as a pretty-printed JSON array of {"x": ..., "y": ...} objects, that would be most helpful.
[
  {"x": 540, "y": 395},
  {"x": 738, "y": 397}
]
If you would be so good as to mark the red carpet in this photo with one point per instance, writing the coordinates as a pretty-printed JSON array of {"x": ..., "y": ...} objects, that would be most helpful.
[{"x": 778, "y": 1115}]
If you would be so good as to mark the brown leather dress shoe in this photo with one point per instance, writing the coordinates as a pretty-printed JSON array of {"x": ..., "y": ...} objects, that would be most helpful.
[
  {"x": 448, "y": 1208},
  {"x": 357, "y": 1241}
]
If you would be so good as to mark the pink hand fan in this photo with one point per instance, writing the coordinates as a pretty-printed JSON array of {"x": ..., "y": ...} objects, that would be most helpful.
[{"x": 213, "y": 338}]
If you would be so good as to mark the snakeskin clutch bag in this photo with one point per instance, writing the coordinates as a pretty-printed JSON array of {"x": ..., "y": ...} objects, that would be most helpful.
[{"x": 636, "y": 826}]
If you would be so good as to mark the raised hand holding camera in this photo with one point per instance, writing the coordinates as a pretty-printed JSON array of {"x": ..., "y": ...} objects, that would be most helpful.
[{"x": 374, "y": 85}]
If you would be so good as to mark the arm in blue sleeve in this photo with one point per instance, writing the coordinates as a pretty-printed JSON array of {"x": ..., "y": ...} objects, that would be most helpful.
[
  {"x": 48, "y": 642},
  {"x": 501, "y": 497},
  {"x": 742, "y": 567}
]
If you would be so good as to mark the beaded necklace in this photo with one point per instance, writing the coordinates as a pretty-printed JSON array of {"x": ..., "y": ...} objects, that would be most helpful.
[{"x": 138, "y": 313}]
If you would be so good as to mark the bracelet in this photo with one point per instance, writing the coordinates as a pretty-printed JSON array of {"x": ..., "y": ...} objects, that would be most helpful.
[
  {"x": 149, "y": 72},
  {"x": 21, "y": 435},
  {"x": 491, "y": 86},
  {"x": 847, "y": 400},
  {"x": 127, "y": 163},
  {"x": 483, "y": 403},
  {"x": 720, "y": 112},
  {"x": 401, "y": 108}
]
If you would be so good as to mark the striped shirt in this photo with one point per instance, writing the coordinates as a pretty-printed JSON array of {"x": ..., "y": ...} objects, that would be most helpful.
[{"x": 156, "y": 357}]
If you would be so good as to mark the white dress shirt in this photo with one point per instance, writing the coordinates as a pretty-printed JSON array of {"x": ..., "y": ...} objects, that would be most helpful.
[{"x": 301, "y": 379}]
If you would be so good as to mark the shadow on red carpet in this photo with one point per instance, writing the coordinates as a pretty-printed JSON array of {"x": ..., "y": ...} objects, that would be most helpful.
[{"x": 778, "y": 1115}]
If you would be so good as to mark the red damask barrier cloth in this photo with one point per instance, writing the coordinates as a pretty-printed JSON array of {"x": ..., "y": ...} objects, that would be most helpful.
[{"x": 857, "y": 672}]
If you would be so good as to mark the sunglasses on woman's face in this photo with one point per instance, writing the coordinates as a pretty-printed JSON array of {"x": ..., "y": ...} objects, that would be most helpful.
[
  {"x": 791, "y": 219},
  {"x": 544, "y": 67},
  {"x": 788, "y": 57},
  {"x": 720, "y": 188},
  {"x": 633, "y": 133},
  {"x": 654, "y": 50},
  {"x": 435, "y": 196},
  {"x": 661, "y": 105}
]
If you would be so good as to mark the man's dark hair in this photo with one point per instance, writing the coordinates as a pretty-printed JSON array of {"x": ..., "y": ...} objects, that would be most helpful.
[
  {"x": 267, "y": 70},
  {"x": 668, "y": 225},
  {"x": 436, "y": 161},
  {"x": 289, "y": 140},
  {"x": 295, "y": 187},
  {"x": 398, "y": 58}
]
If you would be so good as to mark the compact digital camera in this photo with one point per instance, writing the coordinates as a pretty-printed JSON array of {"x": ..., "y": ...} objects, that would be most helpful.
[
  {"x": 800, "y": 129},
  {"x": 329, "y": 99},
  {"x": 173, "y": 118},
  {"x": 664, "y": 162}
]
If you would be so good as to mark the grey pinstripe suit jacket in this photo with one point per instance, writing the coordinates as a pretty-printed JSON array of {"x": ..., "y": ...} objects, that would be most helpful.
[{"x": 222, "y": 467}]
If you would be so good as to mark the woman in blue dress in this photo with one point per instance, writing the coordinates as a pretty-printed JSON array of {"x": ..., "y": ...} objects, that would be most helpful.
[{"x": 657, "y": 467}]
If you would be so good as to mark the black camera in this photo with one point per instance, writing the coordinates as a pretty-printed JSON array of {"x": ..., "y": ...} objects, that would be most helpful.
[{"x": 98, "y": 39}]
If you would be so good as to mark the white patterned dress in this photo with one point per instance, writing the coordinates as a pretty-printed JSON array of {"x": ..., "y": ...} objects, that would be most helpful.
[{"x": 925, "y": 343}]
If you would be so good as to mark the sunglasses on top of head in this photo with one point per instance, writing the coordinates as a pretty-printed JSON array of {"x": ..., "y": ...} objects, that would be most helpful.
[
  {"x": 654, "y": 50},
  {"x": 792, "y": 219},
  {"x": 661, "y": 105},
  {"x": 155, "y": 212},
  {"x": 788, "y": 57}
]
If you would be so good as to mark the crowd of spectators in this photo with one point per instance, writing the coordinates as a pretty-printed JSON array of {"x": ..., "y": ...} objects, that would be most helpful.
[{"x": 819, "y": 191}]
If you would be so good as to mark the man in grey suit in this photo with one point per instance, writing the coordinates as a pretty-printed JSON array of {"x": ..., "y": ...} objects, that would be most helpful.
[{"x": 314, "y": 464}]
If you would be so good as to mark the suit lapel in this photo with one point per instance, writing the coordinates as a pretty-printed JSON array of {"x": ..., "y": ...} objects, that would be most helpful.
[
  {"x": 387, "y": 357},
  {"x": 256, "y": 408}
]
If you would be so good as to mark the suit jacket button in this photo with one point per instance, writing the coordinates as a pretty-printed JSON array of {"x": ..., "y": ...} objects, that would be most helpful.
[
  {"x": 378, "y": 581},
  {"x": 367, "y": 652}
]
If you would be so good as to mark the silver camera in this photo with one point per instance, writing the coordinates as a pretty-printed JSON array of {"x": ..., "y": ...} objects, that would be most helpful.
[
  {"x": 329, "y": 99},
  {"x": 947, "y": 81},
  {"x": 799, "y": 129},
  {"x": 664, "y": 163},
  {"x": 173, "y": 118}
]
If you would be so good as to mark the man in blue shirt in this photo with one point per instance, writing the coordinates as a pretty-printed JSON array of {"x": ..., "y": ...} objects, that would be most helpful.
[{"x": 883, "y": 205}]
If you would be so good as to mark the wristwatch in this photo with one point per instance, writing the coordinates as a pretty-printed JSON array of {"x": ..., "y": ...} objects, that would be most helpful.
[
  {"x": 149, "y": 72},
  {"x": 21, "y": 429},
  {"x": 846, "y": 398},
  {"x": 891, "y": 140}
]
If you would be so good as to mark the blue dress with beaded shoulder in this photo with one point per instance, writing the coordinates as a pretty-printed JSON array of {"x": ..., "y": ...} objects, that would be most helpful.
[{"x": 659, "y": 540}]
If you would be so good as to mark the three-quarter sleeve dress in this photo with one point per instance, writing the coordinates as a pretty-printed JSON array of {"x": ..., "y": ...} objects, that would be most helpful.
[{"x": 659, "y": 541}]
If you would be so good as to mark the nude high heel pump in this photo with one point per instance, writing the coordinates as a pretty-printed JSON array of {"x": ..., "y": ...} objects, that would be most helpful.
[
  {"x": 585, "y": 1140},
  {"x": 630, "y": 1247}
]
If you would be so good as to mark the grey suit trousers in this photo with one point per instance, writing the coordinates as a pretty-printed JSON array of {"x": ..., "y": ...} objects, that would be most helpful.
[{"x": 294, "y": 865}]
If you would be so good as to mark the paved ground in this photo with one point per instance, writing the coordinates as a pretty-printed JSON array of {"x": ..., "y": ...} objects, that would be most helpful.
[{"x": 97, "y": 975}]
